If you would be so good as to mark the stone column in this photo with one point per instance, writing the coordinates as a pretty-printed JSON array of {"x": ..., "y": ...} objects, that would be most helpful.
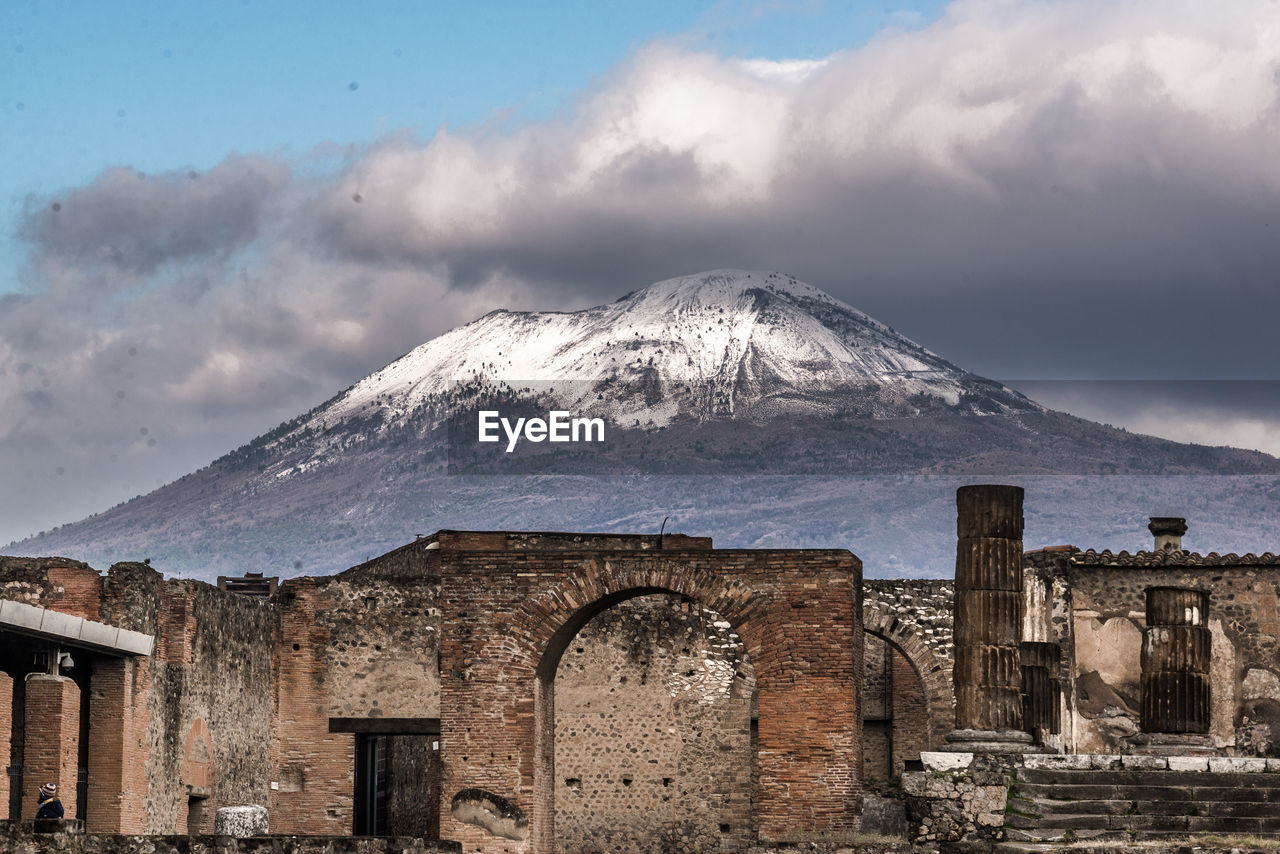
[
  {"x": 6, "y": 734},
  {"x": 51, "y": 740},
  {"x": 1175, "y": 662},
  {"x": 988, "y": 621}
]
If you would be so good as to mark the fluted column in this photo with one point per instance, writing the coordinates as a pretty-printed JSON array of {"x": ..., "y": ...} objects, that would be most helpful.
[
  {"x": 1175, "y": 661},
  {"x": 988, "y": 620}
]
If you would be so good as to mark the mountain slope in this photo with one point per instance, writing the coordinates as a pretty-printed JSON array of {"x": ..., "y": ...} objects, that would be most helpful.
[{"x": 713, "y": 387}]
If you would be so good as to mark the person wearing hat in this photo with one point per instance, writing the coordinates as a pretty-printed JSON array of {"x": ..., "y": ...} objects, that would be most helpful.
[{"x": 49, "y": 806}]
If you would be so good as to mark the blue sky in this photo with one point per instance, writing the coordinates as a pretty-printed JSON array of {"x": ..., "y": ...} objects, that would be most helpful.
[
  {"x": 214, "y": 216},
  {"x": 159, "y": 86}
]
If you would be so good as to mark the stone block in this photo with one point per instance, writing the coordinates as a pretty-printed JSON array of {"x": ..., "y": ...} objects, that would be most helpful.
[
  {"x": 1104, "y": 761},
  {"x": 1144, "y": 763},
  {"x": 884, "y": 817},
  {"x": 1188, "y": 763},
  {"x": 1273, "y": 766},
  {"x": 1237, "y": 764},
  {"x": 241, "y": 822},
  {"x": 937, "y": 760},
  {"x": 1059, "y": 762}
]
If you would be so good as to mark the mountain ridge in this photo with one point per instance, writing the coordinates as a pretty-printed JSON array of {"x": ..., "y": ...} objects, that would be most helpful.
[{"x": 730, "y": 376}]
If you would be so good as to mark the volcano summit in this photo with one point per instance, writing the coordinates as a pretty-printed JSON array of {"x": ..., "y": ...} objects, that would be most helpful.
[{"x": 728, "y": 383}]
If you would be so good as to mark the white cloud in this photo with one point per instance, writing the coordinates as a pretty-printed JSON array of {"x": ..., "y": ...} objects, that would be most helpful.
[{"x": 1035, "y": 174}]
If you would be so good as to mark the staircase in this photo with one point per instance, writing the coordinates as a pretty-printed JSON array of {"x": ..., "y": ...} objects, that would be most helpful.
[{"x": 1048, "y": 805}]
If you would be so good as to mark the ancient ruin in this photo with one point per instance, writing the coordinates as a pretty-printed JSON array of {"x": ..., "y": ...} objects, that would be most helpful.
[{"x": 538, "y": 692}]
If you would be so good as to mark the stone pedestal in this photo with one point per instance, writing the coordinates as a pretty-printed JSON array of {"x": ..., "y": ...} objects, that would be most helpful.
[
  {"x": 988, "y": 621},
  {"x": 1171, "y": 744},
  {"x": 241, "y": 822}
]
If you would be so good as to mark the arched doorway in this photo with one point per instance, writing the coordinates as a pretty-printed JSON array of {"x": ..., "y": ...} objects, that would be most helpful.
[
  {"x": 932, "y": 667},
  {"x": 653, "y": 732},
  {"x": 198, "y": 778},
  {"x": 895, "y": 714},
  {"x": 508, "y": 619}
]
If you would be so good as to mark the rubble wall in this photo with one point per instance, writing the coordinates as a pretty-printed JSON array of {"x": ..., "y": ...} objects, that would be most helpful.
[{"x": 1108, "y": 615}]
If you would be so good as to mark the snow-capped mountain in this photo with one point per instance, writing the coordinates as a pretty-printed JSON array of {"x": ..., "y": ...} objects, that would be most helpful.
[
  {"x": 722, "y": 345},
  {"x": 720, "y": 381}
]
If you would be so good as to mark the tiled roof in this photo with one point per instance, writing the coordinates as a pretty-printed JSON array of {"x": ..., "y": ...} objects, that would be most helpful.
[{"x": 1171, "y": 558}]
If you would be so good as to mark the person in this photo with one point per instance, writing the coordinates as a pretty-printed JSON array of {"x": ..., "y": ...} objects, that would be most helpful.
[{"x": 49, "y": 806}]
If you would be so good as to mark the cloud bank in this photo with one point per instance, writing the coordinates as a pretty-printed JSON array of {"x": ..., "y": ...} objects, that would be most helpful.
[{"x": 1033, "y": 189}]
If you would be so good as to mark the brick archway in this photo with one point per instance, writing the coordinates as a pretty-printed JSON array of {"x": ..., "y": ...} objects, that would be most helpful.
[
  {"x": 507, "y": 621},
  {"x": 198, "y": 777},
  {"x": 934, "y": 672}
]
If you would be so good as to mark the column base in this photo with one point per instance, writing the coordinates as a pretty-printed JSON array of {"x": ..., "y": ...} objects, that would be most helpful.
[
  {"x": 989, "y": 741},
  {"x": 1172, "y": 744}
]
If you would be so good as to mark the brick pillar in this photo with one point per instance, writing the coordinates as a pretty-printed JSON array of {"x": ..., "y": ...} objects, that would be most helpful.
[
  {"x": 6, "y": 731},
  {"x": 988, "y": 621},
  {"x": 51, "y": 740},
  {"x": 117, "y": 763}
]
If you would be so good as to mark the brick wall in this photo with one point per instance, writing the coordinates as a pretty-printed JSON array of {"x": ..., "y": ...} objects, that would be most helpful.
[
  {"x": 314, "y": 768},
  {"x": 877, "y": 708},
  {"x": 6, "y": 730},
  {"x": 119, "y": 695},
  {"x": 52, "y": 740},
  {"x": 911, "y": 729},
  {"x": 76, "y": 590},
  {"x": 506, "y": 615}
]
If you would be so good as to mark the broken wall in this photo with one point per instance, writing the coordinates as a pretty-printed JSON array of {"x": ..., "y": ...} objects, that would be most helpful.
[
  {"x": 1108, "y": 614},
  {"x": 653, "y": 718}
]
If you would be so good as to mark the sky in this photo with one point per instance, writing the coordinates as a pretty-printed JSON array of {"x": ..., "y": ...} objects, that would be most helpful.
[{"x": 215, "y": 216}]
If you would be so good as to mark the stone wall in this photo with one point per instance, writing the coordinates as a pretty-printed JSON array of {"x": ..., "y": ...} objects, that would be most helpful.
[
  {"x": 963, "y": 802},
  {"x": 212, "y": 664},
  {"x": 362, "y": 645},
  {"x": 1108, "y": 614},
  {"x": 20, "y": 838},
  {"x": 211, "y": 694},
  {"x": 505, "y": 616},
  {"x": 653, "y": 732},
  {"x": 914, "y": 617}
]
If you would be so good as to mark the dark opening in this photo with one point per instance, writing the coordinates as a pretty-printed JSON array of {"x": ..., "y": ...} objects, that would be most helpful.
[
  {"x": 397, "y": 780},
  {"x": 371, "y": 785},
  {"x": 195, "y": 814},
  {"x": 81, "y": 675}
]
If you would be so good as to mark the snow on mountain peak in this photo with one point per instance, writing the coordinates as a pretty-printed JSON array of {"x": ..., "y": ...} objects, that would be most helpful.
[{"x": 724, "y": 343}]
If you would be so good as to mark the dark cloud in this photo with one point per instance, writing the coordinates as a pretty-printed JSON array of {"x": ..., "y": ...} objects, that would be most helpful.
[
  {"x": 1034, "y": 190},
  {"x": 135, "y": 223}
]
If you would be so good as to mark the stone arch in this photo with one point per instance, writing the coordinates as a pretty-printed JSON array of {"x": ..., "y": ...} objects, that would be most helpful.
[
  {"x": 198, "y": 776},
  {"x": 504, "y": 634},
  {"x": 934, "y": 672},
  {"x": 615, "y": 589}
]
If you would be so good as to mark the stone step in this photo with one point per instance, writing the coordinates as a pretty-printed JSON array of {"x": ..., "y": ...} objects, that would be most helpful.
[
  {"x": 1155, "y": 843},
  {"x": 1013, "y": 834},
  {"x": 1164, "y": 806},
  {"x": 1064, "y": 826},
  {"x": 1186, "y": 794},
  {"x": 1146, "y": 777}
]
